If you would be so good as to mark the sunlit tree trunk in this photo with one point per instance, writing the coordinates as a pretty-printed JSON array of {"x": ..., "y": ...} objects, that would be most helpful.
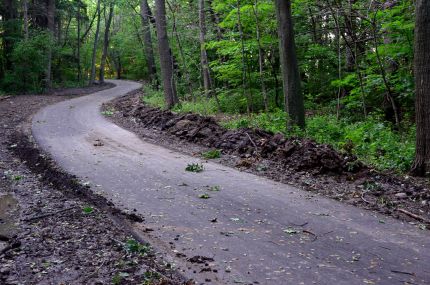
[
  {"x": 421, "y": 166},
  {"x": 294, "y": 104},
  {"x": 166, "y": 61},
  {"x": 96, "y": 40},
  {"x": 106, "y": 43}
]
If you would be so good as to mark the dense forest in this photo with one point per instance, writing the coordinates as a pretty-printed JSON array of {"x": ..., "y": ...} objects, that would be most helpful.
[{"x": 342, "y": 72}]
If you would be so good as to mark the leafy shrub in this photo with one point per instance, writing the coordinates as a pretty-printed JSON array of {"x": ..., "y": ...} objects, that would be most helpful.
[{"x": 29, "y": 59}]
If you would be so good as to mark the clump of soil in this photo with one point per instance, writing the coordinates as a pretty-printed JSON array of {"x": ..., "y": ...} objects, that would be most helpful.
[{"x": 314, "y": 167}]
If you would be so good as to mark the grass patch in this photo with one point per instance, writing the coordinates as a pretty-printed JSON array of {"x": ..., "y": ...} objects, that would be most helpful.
[{"x": 212, "y": 154}]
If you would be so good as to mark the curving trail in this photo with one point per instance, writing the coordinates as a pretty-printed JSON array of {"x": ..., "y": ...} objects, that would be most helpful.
[{"x": 265, "y": 232}]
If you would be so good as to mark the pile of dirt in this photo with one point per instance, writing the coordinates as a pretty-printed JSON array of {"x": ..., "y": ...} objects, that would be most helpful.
[
  {"x": 314, "y": 167},
  {"x": 296, "y": 154}
]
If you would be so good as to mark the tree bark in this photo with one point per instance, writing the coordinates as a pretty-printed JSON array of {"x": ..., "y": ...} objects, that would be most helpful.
[
  {"x": 207, "y": 81},
  {"x": 106, "y": 43},
  {"x": 147, "y": 41},
  {"x": 294, "y": 104},
  {"x": 166, "y": 61},
  {"x": 260, "y": 58},
  {"x": 25, "y": 11},
  {"x": 51, "y": 29},
  {"x": 96, "y": 40},
  {"x": 421, "y": 166},
  {"x": 182, "y": 54},
  {"x": 78, "y": 56},
  {"x": 245, "y": 91}
]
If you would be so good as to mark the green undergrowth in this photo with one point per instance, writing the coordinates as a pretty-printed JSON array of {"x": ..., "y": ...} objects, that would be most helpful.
[{"x": 372, "y": 140}]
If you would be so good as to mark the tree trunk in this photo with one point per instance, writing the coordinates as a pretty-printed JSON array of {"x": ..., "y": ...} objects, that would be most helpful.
[
  {"x": 294, "y": 104},
  {"x": 9, "y": 15},
  {"x": 421, "y": 166},
  {"x": 25, "y": 11},
  {"x": 51, "y": 29},
  {"x": 166, "y": 61},
  {"x": 106, "y": 43},
  {"x": 260, "y": 58},
  {"x": 147, "y": 41},
  {"x": 96, "y": 40},
  {"x": 207, "y": 81},
  {"x": 245, "y": 91},
  {"x": 182, "y": 54},
  {"x": 78, "y": 56}
]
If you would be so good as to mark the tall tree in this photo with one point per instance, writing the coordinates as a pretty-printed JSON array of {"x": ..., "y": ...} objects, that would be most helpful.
[
  {"x": 260, "y": 56},
  {"x": 294, "y": 104},
  {"x": 78, "y": 56},
  {"x": 106, "y": 42},
  {"x": 421, "y": 166},
  {"x": 25, "y": 12},
  {"x": 207, "y": 81},
  {"x": 147, "y": 41},
  {"x": 50, "y": 13},
  {"x": 166, "y": 61},
  {"x": 96, "y": 40},
  {"x": 9, "y": 15}
]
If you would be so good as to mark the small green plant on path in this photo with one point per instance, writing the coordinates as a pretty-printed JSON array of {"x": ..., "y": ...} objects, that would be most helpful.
[
  {"x": 215, "y": 188},
  {"x": 204, "y": 196},
  {"x": 194, "y": 167}
]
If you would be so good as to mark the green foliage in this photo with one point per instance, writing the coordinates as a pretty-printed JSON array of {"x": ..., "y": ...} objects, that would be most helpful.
[
  {"x": 29, "y": 59},
  {"x": 153, "y": 98},
  {"x": 372, "y": 140},
  {"x": 194, "y": 167},
  {"x": 108, "y": 113},
  {"x": 87, "y": 209},
  {"x": 212, "y": 154},
  {"x": 133, "y": 246},
  {"x": 204, "y": 196}
]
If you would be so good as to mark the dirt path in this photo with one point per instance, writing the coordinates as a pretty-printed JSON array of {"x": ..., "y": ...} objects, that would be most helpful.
[{"x": 222, "y": 226}]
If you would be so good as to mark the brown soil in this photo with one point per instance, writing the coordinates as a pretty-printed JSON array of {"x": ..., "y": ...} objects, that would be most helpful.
[
  {"x": 53, "y": 229},
  {"x": 314, "y": 167}
]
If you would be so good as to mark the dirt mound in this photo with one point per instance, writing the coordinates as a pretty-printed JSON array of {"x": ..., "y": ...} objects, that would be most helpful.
[{"x": 294, "y": 153}]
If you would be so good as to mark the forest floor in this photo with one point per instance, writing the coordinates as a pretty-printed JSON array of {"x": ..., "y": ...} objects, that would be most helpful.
[
  {"x": 300, "y": 162},
  {"x": 50, "y": 234}
]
